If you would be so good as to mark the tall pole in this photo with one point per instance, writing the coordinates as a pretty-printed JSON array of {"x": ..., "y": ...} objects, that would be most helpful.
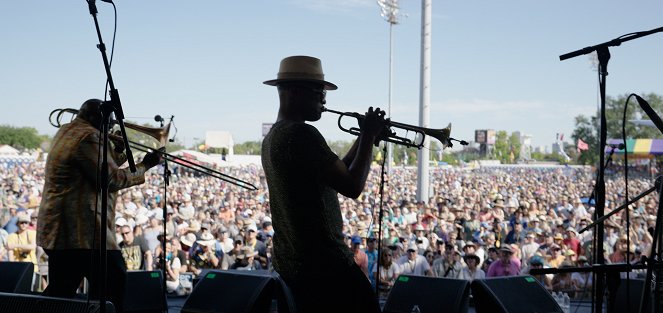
[
  {"x": 423, "y": 155},
  {"x": 389, "y": 11},
  {"x": 390, "y": 146}
]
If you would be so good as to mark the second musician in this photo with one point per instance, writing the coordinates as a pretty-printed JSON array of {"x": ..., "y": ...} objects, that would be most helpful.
[{"x": 68, "y": 228}]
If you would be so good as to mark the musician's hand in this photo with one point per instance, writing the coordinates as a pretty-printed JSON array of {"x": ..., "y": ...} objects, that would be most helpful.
[
  {"x": 118, "y": 142},
  {"x": 153, "y": 158},
  {"x": 374, "y": 124}
]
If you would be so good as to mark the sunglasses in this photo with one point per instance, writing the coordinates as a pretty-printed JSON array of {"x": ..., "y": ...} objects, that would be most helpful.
[
  {"x": 24, "y": 223},
  {"x": 321, "y": 92}
]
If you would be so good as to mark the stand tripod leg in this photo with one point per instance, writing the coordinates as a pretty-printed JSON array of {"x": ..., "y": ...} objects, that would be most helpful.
[
  {"x": 654, "y": 262},
  {"x": 612, "y": 282}
]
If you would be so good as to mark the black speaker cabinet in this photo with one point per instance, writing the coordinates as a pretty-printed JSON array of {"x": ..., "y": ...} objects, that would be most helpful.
[
  {"x": 428, "y": 294},
  {"x": 232, "y": 291},
  {"x": 144, "y": 292},
  {"x": 19, "y": 303},
  {"x": 16, "y": 277},
  {"x": 515, "y": 294},
  {"x": 634, "y": 296}
]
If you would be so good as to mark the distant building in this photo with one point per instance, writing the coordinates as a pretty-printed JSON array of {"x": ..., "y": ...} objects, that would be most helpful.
[
  {"x": 556, "y": 148},
  {"x": 486, "y": 140},
  {"x": 541, "y": 149},
  {"x": 220, "y": 139},
  {"x": 525, "y": 145}
]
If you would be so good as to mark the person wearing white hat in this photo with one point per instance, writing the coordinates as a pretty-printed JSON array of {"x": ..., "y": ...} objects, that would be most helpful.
[
  {"x": 22, "y": 244},
  {"x": 205, "y": 256},
  {"x": 304, "y": 176},
  {"x": 414, "y": 263},
  {"x": 119, "y": 222},
  {"x": 186, "y": 210},
  {"x": 69, "y": 220}
]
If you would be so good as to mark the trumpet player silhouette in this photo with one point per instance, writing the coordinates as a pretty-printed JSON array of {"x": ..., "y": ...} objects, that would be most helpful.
[
  {"x": 304, "y": 178},
  {"x": 68, "y": 220}
]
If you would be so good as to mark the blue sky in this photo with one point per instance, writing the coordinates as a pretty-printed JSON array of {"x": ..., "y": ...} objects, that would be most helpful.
[{"x": 495, "y": 64}]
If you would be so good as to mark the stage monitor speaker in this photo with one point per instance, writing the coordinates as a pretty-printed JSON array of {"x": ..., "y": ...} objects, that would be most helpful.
[
  {"x": 634, "y": 296},
  {"x": 428, "y": 294},
  {"x": 514, "y": 294},
  {"x": 19, "y": 303},
  {"x": 232, "y": 291},
  {"x": 16, "y": 277},
  {"x": 144, "y": 292}
]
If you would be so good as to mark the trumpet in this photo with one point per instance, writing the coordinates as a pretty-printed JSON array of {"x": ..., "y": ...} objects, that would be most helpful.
[
  {"x": 443, "y": 135},
  {"x": 161, "y": 135}
]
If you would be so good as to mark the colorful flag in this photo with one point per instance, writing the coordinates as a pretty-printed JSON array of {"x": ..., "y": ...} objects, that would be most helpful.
[{"x": 582, "y": 145}]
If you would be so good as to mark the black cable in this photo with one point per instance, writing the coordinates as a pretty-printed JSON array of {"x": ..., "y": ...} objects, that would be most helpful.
[
  {"x": 110, "y": 62},
  {"x": 626, "y": 197}
]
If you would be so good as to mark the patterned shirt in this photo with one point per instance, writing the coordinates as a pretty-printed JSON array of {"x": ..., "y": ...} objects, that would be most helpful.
[
  {"x": 71, "y": 195},
  {"x": 306, "y": 213}
]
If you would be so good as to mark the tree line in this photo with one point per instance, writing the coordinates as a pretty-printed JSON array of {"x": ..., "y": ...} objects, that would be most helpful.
[
  {"x": 507, "y": 146},
  {"x": 616, "y": 110}
]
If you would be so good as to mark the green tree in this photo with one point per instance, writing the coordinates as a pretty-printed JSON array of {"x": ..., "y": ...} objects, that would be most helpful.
[
  {"x": 174, "y": 146},
  {"x": 514, "y": 146},
  {"x": 340, "y": 147},
  {"x": 586, "y": 128},
  {"x": 614, "y": 112},
  {"x": 501, "y": 149},
  {"x": 248, "y": 147},
  {"x": 586, "y": 131},
  {"x": 20, "y": 137}
]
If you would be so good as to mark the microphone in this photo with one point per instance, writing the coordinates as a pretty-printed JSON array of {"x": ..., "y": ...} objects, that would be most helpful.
[
  {"x": 650, "y": 112},
  {"x": 620, "y": 146},
  {"x": 158, "y": 118}
]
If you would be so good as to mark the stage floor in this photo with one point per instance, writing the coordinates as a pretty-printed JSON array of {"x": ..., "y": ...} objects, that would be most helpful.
[{"x": 175, "y": 305}]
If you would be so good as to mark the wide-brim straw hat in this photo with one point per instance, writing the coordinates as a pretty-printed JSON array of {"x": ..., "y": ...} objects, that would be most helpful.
[
  {"x": 206, "y": 239},
  {"x": 188, "y": 239},
  {"x": 301, "y": 68}
]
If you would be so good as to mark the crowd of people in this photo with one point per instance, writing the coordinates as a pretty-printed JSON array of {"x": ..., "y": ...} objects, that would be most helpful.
[{"x": 478, "y": 223}]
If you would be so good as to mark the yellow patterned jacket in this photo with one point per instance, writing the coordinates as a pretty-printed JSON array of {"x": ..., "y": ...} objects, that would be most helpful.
[{"x": 72, "y": 193}]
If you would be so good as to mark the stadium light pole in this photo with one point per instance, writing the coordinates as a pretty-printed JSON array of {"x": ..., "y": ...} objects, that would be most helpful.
[
  {"x": 423, "y": 183},
  {"x": 389, "y": 11}
]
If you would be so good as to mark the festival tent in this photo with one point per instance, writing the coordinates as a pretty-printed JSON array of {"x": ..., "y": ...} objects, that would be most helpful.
[{"x": 639, "y": 148}]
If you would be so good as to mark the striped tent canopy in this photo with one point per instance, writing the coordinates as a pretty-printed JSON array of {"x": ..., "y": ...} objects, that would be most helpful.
[{"x": 638, "y": 147}]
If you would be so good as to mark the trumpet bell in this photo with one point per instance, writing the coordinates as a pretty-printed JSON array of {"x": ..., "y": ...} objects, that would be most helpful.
[{"x": 442, "y": 135}]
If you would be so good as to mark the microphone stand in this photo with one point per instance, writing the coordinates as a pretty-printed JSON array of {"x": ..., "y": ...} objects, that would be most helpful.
[
  {"x": 380, "y": 215},
  {"x": 604, "y": 56},
  {"x": 166, "y": 182},
  {"x": 107, "y": 107}
]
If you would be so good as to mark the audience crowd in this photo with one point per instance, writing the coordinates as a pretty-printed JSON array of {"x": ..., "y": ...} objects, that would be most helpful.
[{"x": 478, "y": 223}]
